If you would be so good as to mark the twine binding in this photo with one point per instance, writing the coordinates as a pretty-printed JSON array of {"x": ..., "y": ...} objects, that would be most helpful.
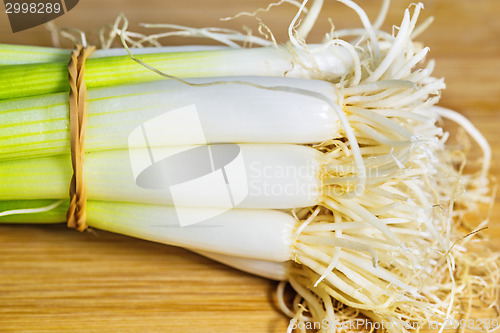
[{"x": 76, "y": 215}]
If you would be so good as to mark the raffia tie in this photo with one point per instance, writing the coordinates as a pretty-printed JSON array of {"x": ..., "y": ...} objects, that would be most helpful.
[{"x": 76, "y": 215}]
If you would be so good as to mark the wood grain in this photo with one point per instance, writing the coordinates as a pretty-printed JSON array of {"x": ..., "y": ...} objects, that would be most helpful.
[{"x": 58, "y": 280}]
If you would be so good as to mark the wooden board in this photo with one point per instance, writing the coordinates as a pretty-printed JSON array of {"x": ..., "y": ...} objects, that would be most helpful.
[{"x": 58, "y": 280}]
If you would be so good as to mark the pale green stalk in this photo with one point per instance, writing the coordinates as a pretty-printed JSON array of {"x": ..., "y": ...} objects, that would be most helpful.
[
  {"x": 19, "y": 211},
  {"x": 39, "y": 126},
  {"x": 276, "y": 176},
  {"x": 11, "y": 54},
  {"x": 52, "y": 77}
]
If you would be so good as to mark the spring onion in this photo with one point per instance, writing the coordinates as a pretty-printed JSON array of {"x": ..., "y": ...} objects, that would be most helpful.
[
  {"x": 226, "y": 113},
  {"x": 336, "y": 177}
]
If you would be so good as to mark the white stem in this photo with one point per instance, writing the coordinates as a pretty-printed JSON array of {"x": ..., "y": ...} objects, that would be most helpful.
[
  {"x": 253, "y": 234},
  {"x": 237, "y": 109},
  {"x": 242, "y": 175}
]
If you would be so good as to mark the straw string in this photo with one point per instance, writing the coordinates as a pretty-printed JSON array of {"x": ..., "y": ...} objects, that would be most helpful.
[{"x": 76, "y": 215}]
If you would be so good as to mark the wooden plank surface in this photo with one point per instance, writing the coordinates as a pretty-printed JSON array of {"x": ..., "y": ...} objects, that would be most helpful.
[{"x": 58, "y": 280}]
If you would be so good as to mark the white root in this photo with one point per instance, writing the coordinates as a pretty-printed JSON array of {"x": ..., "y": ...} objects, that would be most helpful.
[{"x": 411, "y": 197}]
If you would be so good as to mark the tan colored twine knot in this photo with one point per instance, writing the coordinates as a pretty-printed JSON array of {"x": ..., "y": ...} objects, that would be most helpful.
[{"x": 76, "y": 215}]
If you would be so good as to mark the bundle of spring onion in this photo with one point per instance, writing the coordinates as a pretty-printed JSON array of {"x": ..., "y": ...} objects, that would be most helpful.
[{"x": 321, "y": 165}]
